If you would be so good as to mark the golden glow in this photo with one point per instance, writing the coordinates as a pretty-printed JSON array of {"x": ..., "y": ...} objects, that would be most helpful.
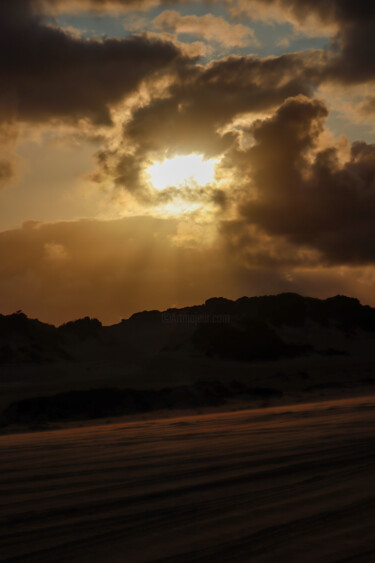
[
  {"x": 178, "y": 207},
  {"x": 181, "y": 171}
]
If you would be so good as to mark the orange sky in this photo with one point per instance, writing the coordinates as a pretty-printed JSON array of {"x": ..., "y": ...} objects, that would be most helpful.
[{"x": 156, "y": 154}]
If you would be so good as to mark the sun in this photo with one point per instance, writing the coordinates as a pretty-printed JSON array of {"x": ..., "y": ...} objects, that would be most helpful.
[{"x": 185, "y": 170}]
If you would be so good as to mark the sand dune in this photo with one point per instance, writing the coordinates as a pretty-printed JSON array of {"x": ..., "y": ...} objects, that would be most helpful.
[{"x": 291, "y": 483}]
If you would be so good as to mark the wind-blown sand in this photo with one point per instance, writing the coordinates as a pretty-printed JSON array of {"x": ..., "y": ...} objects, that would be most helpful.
[{"x": 290, "y": 483}]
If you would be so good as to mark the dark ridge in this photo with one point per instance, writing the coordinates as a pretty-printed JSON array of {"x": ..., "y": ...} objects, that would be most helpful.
[
  {"x": 81, "y": 328},
  {"x": 148, "y": 316},
  {"x": 247, "y": 329},
  {"x": 289, "y": 309},
  {"x": 19, "y": 323},
  {"x": 29, "y": 340}
]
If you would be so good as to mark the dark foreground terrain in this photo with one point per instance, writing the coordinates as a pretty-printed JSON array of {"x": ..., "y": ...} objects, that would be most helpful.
[
  {"x": 291, "y": 483},
  {"x": 287, "y": 344},
  {"x": 101, "y": 403}
]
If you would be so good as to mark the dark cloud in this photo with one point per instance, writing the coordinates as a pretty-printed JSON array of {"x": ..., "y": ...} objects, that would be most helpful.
[
  {"x": 353, "y": 47},
  {"x": 254, "y": 249},
  {"x": 46, "y": 73},
  {"x": 8, "y": 139},
  {"x": 307, "y": 194},
  {"x": 193, "y": 113},
  {"x": 368, "y": 106},
  {"x": 356, "y": 45},
  {"x": 328, "y": 11},
  {"x": 6, "y": 172},
  {"x": 203, "y": 99}
]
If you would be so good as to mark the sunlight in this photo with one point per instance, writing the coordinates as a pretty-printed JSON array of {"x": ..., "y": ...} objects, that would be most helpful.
[{"x": 182, "y": 170}]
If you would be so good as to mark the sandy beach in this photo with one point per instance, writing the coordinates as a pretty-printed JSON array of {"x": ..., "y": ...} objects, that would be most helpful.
[{"x": 287, "y": 483}]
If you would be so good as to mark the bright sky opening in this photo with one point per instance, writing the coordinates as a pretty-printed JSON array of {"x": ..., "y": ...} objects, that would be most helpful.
[{"x": 182, "y": 170}]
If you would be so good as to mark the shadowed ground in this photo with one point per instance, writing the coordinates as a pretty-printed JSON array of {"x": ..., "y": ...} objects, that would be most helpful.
[{"x": 291, "y": 483}]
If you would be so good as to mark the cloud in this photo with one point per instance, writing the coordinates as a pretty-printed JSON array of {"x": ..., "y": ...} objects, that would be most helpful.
[
  {"x": 306, "y": 193},
  {"x": 209, "y": 27},
  {"x": 8, "y": 159},
  {"x": 327, "y": 12},
  {"x": 368, "y": 106},
  {"x": 189, "y": 49},
  {"x": 194, "y": 113},
  {"x": 114, "y": 6},
  {"x": 48, "y": 73},
  {"x": 6, "y": 172},
  {"x": 351, "y": 24}
]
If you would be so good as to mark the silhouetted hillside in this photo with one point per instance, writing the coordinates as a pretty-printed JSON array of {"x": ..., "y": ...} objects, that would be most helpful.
[
  {"x": 154, "y": 360},
  {"x": 29, "y": 340},
  {"x": 251, "y": 328},
  {"x": 291, "y": 309}
]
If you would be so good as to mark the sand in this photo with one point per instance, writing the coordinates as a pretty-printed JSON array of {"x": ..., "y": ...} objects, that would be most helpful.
[{"x": 283, "y": 484}]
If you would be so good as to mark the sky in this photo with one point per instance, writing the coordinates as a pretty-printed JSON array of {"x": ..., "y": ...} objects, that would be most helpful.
[{"x": 157, "y": 153}]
